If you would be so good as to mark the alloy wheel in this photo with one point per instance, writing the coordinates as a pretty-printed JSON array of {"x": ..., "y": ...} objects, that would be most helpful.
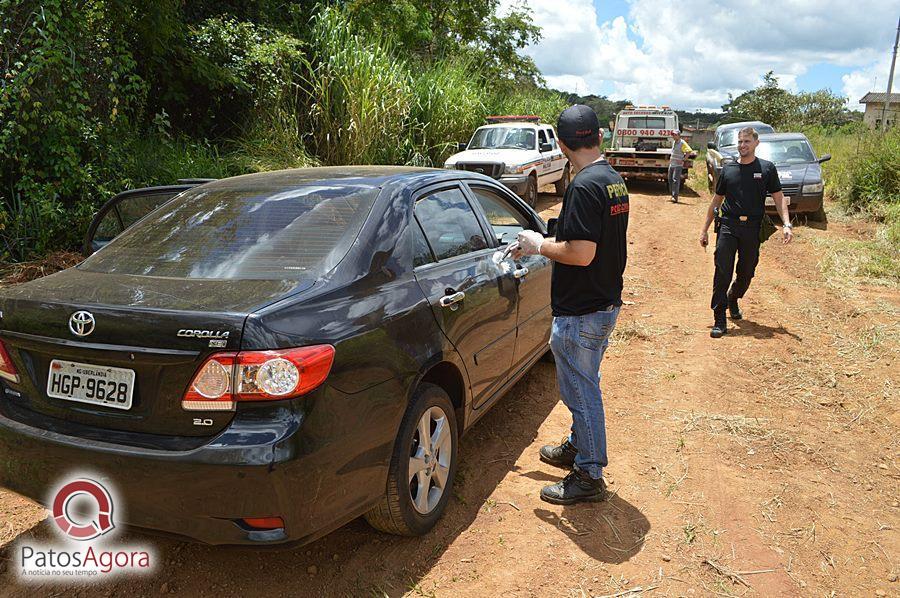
[{"x": 430, "y": 456}]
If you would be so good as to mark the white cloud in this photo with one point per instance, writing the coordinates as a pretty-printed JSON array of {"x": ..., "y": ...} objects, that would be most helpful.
[
  {"x": 870, "y": 78},
  {"x": 692, "y": 53}
]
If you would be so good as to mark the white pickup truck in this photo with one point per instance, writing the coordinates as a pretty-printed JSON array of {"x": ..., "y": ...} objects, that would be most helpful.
[
  {"x": 642, "y": 143},
  {"x": 519, "y": 151}
]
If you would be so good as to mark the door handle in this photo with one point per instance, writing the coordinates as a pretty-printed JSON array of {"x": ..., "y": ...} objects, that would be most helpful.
[
  {"x": 448, "y": 300},
  {"x": 520, "y": 272}
]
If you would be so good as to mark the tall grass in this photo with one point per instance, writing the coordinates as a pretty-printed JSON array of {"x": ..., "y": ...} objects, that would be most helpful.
[
  {"x": 359, "y": 94},
  {"x": 450, "y": 104}
]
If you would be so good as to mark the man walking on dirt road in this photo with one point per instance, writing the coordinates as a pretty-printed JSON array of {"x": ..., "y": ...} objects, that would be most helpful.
[
  {"x": 589, "y": 256},
  {"x": 743, "y": 185},
  {"x": 680, "y": 151}
]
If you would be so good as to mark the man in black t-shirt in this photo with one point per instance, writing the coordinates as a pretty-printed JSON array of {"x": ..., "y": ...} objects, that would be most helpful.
[
  {"x": 741, "y": 197},
  {"x": 588, "y": 256}
]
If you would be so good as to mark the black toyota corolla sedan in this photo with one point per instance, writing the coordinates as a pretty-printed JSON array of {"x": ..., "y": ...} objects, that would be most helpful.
[{"x": 262, "y": 359}]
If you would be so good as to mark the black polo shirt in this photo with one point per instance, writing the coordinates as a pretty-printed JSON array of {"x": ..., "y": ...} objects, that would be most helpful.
[
  {"x": 594, "y": 208},
  {"x": 745, "y": 187}
]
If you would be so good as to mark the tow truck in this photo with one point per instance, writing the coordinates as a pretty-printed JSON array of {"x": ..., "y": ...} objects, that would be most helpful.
[{"x": 641, "y": 143}]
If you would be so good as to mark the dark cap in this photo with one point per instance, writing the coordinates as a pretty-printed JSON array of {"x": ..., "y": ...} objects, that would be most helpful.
[{"x": 578, "y": 122}]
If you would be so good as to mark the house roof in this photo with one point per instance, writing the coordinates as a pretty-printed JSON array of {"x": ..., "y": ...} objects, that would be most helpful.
[{"x": 875, "y": 97}]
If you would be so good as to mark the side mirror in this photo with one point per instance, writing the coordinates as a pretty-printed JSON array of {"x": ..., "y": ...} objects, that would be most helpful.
[
  {"x": 461, "y": 146},
  {"x": 551, "y": 227},
  {"x": 546, "y": 147},
  {"x": 711, "y": 145},
  {"x": 824, "y": 158}
]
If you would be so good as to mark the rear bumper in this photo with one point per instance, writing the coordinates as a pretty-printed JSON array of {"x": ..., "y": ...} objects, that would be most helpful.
[{"x": 297, "y": 464}]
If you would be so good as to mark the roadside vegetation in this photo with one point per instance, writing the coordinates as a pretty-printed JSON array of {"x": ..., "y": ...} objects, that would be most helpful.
[{"x": 99, "y": 96}]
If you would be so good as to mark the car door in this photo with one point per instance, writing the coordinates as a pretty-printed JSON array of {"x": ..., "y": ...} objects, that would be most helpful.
[
  {"x": 506, "y": 215},
  {"x": 473, "y": 299},
  {"x": 125, "y": 209},
  {"x": 559, "y": 159},
  {"x": 545, "y": 169}
]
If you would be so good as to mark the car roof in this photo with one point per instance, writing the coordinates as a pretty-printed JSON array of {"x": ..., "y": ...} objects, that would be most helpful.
[
  {"x": 372, "y": 177},
  {"x": 748, "y": 123},
  {"x": 781, "y": 136}
]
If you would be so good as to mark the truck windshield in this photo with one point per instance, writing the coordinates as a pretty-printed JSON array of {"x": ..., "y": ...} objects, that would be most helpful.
[
  {"x": 503, "y": 137},
  {"x": 646, "y": 122},
  {"x": 729, "y": 136},
  {"x": 786, "y": 151}
]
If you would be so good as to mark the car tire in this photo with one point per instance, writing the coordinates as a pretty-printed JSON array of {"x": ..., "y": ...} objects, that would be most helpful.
[
  {"x": 819, "y": 215},
  {"x": 399, "y": 511},
  {"x": 563, "y": 183},
  {"x": 531, "y": 191}
]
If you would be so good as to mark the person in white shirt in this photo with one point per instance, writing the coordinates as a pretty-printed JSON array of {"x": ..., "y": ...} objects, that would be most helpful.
[{"x": 680, "y": 151}]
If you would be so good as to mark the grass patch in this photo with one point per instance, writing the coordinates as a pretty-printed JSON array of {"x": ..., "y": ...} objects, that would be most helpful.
[{"x": 847, "y": 263}]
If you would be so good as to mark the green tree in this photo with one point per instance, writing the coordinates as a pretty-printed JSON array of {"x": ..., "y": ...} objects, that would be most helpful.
[
  {"x": 768, "y": 103},
  {"x": 471, "y": 29}
]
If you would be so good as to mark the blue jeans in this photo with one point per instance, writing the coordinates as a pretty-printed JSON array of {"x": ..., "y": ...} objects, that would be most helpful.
[
  {"x": 674, "y": 181},
  {"x": 578, "y": 344}
]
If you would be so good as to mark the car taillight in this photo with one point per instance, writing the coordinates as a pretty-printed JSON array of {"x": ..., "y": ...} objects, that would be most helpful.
[
  {"x": 7, "y": 369},
  {"x": 225, "y": 378}
]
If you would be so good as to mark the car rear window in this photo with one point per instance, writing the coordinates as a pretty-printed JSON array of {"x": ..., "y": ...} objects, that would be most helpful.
[{"x": 241, "y": 232}]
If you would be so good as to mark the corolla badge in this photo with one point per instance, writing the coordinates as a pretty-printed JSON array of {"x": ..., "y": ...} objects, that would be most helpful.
[{"x": 81, "y": 323}]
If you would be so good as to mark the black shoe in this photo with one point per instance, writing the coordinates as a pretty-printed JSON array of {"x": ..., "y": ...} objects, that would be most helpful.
[
  {"x": 576, "y": 487},
  {"x": 719, "y": 330},
  {"x": 560, "y": 456},
  {"x": 734, "y": 310}
]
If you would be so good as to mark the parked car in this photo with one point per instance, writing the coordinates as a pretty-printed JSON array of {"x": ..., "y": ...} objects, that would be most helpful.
[
  {"x": 519, "y": 151},
  {"x": 262, "y": 359},
  {"x": 799, "y": 171},
  {"x": 724, "y": 147}
]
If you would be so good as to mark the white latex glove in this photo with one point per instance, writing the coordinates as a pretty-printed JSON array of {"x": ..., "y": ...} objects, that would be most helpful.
[{"x": 529, "y": 242}]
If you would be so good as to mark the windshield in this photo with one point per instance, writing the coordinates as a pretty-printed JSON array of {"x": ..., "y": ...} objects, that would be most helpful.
[
  {"x": 503, "y": 137},
  {"x": 241, "y": 232},
  {"x": 729, "y": 136},
  {"x": 787, "y": 151}
]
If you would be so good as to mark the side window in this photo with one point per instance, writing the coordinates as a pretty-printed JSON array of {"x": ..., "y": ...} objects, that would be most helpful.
[
  {"x": 542, "y": 136},
  {"x": 449, "y": 224},
  {"x": 503, "y": 217},
  {"x": 552, "y": 138},
  {"x": 421, "y": 251},
  {"x": 134, "y": 208}
]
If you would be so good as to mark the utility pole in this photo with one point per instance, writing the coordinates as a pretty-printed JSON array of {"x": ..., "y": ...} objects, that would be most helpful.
[{"x": 887, "y": 99}]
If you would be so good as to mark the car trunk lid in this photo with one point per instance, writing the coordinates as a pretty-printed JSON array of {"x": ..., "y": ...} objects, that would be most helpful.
[{"x": 150, "y": 333}]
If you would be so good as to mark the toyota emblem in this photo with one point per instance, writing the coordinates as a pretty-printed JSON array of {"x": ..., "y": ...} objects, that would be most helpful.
[{"x": 81, "y": 323}]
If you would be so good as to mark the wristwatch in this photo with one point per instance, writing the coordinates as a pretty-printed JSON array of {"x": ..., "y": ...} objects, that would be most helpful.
[{"x": 788, "y": 225}]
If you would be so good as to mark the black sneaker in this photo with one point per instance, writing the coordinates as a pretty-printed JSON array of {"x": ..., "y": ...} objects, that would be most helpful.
[
  {"x": 576, "y": 487},
  {"x": 734, "y": 310},
  {"x": 560, "y": 456},
  {"x": 719, "y": 330}
]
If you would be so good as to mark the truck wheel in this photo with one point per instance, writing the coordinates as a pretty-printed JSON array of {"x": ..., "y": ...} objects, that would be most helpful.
[
  {"x": 420, "y": 477},
  {"x": 563, "y": 183},
  {"x": 531, "y": 191},
  {"x": 819, "y": 215}
]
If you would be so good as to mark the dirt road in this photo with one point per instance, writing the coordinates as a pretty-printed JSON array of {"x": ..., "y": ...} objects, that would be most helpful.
[{"x": 761, "y": 464}]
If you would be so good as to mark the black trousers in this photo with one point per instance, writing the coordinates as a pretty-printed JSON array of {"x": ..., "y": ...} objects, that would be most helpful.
[{"x": 734, "y": 238}]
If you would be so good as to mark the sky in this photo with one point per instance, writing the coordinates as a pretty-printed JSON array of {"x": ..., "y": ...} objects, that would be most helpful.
[{"x": 690, "y": 54}]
